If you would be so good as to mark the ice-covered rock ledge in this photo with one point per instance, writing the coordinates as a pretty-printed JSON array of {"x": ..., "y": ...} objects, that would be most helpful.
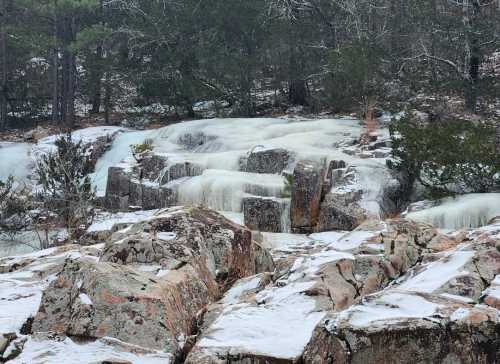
[
  {"x": 360, "y": 297},
  {"x": 239, "y": 165}
]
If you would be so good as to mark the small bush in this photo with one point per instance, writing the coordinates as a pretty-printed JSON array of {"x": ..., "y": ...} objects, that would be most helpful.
[
  {"x": 138, "y": 149},
  {"x": 66, "y": 187},
  {"x": 14, "y": 208},
  {"x": 448, "y": 157},
  {"x": 287, "y": 191}
]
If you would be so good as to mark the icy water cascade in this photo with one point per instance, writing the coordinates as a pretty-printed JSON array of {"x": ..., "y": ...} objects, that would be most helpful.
[
  {"x": 217, "y": 147},
  {"x": 118, "y": 153},
  {"x": 468, "y": 211},
  {"x": 15, "y": 160}
]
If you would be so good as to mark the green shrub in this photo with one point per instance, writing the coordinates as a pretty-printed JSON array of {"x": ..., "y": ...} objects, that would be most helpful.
[
  {"x": 287, "y": 191},
  {"x": 66, "y": 186},
  {"x": 14, "y": 207},
  {"x": 447, "y": 157},
  {"x": 145, "y": 146}
]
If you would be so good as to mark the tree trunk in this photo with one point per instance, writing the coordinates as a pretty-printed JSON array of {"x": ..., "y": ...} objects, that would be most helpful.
[
  {"x": 55, "y": 86},
  {"x": 107, "y": 98},
  {"x": 498, "y": 139},
  {"x": 297, "y": 89},
  {"x": 3, "y": 60},
  {"x": 97, "y": 71},
  {"x": 56, "y": 108},
  {"x": 96, "y": 83},
  {"x": 297, "y": 92},
  {"x": 68, "y": 76},
  {"x": 474, "y": 50}
]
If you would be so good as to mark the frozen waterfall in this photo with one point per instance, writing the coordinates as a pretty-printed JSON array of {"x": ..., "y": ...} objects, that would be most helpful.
[{"x": 467, "y": 211}]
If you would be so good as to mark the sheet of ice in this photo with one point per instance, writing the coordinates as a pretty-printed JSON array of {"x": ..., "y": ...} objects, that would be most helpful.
[
  {"x": 387, "y": 308},
  {"x": 224, "y": 190},
  {"x": 454, "y": 297},
  {"x": 218, "y": 145},
  {"x": 119, "y": 152},
  {"x": 280, "y": 326},
  {"x": 236, "y": 217},
  {"x": 467, "y": 211},
  {"x": 15, "y": 160},
  {"x": 243, "y": 285},
  {"x": 438, "y": 273},
  {"x": 459, "y": 314},
  {"x": 67, "y": 351},
  {"x": 106, "y": 221},
  {"x": 343, "y": 240}
]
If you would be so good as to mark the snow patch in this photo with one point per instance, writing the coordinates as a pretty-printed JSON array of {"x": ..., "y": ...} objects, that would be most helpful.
[{"x": 438, "y": 273}]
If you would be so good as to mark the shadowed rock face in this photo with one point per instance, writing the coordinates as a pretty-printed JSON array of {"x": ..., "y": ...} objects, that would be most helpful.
[
  {"x": 307, "y": 187},
  {"x": 196, "y": 253},
  {"x": 272, "y": 161},
  {"x": 124, "y": 191},
  {"x": 266, "y": 214}
]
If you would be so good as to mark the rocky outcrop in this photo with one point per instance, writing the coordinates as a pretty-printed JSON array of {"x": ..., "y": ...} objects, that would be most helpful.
[
  {"x": 448, "y": 332},
  {"x": 433, "y": 314},
  {"x": 153, "y": 280},
  {"x": 268, "y": 214},
  {"x": 272, "y": 319},
  {"x": 176, "y": 236},
  {"x": 272, "y": 161},
  {"x": 124, "y": 191},
  {"x": 341, "y": 211},
  {"x": 95, "y": 300},
  {"x": 148, "y": 184},
  {"x": 157, "y": 168},
  {"x": 352, "y": 197},
  {"x": 307, "y": 185}
]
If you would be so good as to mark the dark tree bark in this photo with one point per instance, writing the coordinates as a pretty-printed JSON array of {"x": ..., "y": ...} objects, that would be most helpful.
[
  {"x": 68, "y": 75},
  {"x": 107, "y": 98},
  {"x": 97, "y": 71},
  {"x": 297, "y": 89},
  {"x": 55, "y": 86},
  {"x": 96, "y": 83},
  {"x": 498, "y": 139},
  {"x": 3, "y": 60},
  {"x": 475, "y": 57}
]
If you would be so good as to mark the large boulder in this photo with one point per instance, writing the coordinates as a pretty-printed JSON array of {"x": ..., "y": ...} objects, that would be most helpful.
[
  {"x": 358, "y": 193},
  {"x": 153, "y": 280},
  {"x": 307, "y": 185},
  {"x": 272, "y": 161},
  {"x": 268, "y": 214},
  {"x": 176, "y": 236},
  {"x": 124, "y": 191},
  {"x": 95, "y": 300},
  {"x": 407, "y": 328}
]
